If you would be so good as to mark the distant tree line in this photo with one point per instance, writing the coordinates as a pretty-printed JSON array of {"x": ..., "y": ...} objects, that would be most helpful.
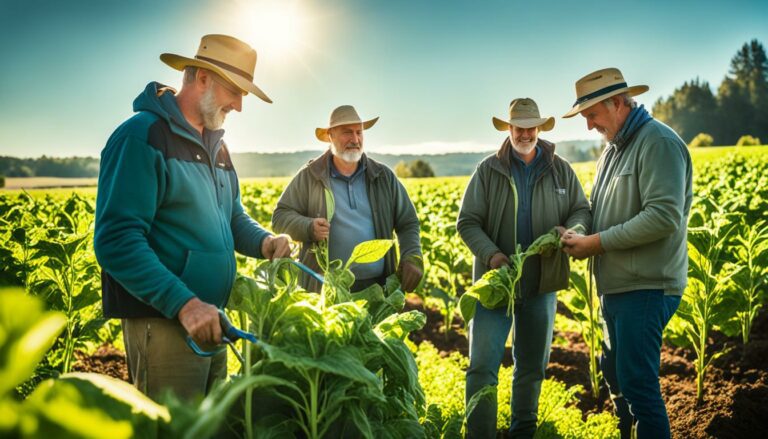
[
  {"x": 415, "y": 169},
  {"x": 73, "y": 167},
  {"x": 740, "y": 107}
]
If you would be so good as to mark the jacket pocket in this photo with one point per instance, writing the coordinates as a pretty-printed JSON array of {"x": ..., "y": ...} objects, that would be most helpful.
[
  {"x": 210, "y": 275},
  {"x": 555, "y": 270}
]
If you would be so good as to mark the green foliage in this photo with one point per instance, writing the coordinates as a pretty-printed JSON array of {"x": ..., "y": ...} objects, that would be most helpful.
[
  {"x": 73, "y": 406},
  {"x": 499, "y": 287},
  {"x": 49, "y": 167},
  {"x": 740, "y": 106},
  {"x": 704, "y": 305},
  {"x": 584, "y": 305},
  {"x": 701, "y": 139},
  {"x": 415, "y": 169},
  {"x": 752, "y": 252},
  {"x": 340, "y": 366},
  {"x": 447, "y": 260},
  {"x": 31, "y": 225},
  {"x": 27, "y": 331},
  {"x": 443, "y": 383},
  {"x": 747, "y": 140},
  {"x": 691, "y": 109}
]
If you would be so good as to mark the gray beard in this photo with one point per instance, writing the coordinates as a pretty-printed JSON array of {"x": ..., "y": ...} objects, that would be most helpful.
[
  {"x": 347, "y": 156},
  {"x": 517, "y": 148},
  {"x": 213, "y": 116}
]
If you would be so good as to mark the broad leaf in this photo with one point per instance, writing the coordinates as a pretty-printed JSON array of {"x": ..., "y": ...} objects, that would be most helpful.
[{"x": 370, "y": 251}]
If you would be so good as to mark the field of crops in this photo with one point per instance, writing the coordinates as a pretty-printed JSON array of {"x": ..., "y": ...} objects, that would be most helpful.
[{"x": 379, "y": 363}]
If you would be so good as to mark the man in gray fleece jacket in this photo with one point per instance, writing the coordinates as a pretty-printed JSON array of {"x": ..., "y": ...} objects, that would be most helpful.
[
  {"x": 640, "y": 205},
  {"x": 514, "y": 196}
]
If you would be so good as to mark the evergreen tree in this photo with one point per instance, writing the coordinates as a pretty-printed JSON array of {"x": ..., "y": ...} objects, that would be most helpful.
[{"x": 690, "y": 110}]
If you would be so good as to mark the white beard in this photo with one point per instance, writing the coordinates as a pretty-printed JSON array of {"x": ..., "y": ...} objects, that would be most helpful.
[
  {"x": 213, "y": 115},
  {"x": 347, "y": 156},
  {"x": 524, "y": 147}
]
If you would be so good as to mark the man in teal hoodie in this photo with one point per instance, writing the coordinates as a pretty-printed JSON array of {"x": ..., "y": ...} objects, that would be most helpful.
[
  {"x": 169, "y": 219},
  {"x": 640, "y": 205}
]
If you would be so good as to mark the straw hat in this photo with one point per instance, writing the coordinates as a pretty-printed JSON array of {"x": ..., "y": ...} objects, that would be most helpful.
[
  {"x": 600, "y": 85},
  {"x": 344, "y": 115},
  {"x": 226, "y": 56},
  {"x": 524, "y": 113}
]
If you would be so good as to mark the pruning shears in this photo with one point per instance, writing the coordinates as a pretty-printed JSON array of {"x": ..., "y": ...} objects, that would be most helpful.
[{"x": 230, "y": 335}]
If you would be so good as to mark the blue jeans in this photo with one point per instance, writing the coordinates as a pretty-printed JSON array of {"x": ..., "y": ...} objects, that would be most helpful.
[
  {"x": 634, "y": 322},
  {"x": 534, "y": 319}
]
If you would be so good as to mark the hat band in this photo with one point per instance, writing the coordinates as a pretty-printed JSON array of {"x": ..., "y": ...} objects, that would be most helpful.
[
  {"x": 225, "y": 66},
  {"x": 602, "y": 91}
]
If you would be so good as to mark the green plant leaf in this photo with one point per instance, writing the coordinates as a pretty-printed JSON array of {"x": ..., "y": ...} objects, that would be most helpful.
[
  {"x": 26, "y": 334},
  {"x": 370, "y": 251},
  {"x": 330, "y": 204}
]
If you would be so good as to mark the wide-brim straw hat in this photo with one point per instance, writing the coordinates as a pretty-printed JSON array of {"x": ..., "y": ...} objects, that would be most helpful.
[
  {"x": 600, "y": 85},
  {"x": 228, "y": 57},
  {"x": 524, "y": 113},
  {"x": 344, "y": 115}
]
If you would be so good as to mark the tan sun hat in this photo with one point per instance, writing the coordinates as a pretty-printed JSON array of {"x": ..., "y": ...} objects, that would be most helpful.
[
  {"x": 344, "y": 115},
  {"x": 524, "y": 113},
  {"x": 226, "y": 56},
  {"x": 600, "y": 85}
]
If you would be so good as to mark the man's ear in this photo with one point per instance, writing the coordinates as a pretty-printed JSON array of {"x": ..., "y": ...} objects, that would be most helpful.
[{"x": 203, "y": 78}]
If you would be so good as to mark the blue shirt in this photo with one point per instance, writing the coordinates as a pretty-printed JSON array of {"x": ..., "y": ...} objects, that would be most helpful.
[
  {"x": 352, "y": 221},
  {"x": 525, "y": 176}
]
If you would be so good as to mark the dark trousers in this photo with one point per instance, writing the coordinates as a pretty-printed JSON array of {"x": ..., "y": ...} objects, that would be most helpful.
[{"x": 634, "y": 322}]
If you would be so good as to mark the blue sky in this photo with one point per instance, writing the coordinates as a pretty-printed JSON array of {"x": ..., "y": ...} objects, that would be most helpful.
[{"x": 434, "y": 71}]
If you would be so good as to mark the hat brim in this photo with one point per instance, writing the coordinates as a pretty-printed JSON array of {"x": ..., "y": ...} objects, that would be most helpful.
[
  {"x": 179, "y": 62},
  {"x": 542, "y": 123},
  {"x": 322, "y": 133},
  {"x": 633, "y": 91}
]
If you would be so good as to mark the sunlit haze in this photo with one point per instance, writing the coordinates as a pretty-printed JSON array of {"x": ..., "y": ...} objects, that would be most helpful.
[{"x": 434, "y": 72}]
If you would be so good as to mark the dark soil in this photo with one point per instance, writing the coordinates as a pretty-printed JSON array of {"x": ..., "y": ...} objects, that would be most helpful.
[
  {"x": 106, "y": 360},
  {"x": 736, "y": 385}
]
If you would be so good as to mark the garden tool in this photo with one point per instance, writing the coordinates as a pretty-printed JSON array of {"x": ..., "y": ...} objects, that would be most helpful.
[
  {"x": 309, "y": 271},
  {"x": 230, "y": 334}
]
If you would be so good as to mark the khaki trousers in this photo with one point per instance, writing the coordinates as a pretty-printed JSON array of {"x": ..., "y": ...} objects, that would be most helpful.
[{"x": 160, "y": 360}]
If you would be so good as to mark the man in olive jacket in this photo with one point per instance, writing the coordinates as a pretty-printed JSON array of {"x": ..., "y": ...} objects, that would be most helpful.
[
  {"x": 369, "y": 203},
  {"x": 514, "y": 196},
  {"x": 640, "y": 201}
]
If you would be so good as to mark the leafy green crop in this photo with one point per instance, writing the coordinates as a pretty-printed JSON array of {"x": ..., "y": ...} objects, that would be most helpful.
[
  {"x": 338, "y": 359},
  {"x": 752, "y": 251},
  {"x": 704, "y": 305},
  {"x": 584, "y": 305},
  {"x": 499, "y": 287}
]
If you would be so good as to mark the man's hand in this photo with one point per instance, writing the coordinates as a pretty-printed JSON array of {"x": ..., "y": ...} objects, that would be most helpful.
[
  {"x": 560, "y": 230},
  {"x": 321, "y": 228},
  {"x": 410, "y": 276},
  {"x": 276, "y": 246},
  {"x": 498, "y": 260},
  {"x": 580, "y": 246},
  {"x": 201, "y": 321}
]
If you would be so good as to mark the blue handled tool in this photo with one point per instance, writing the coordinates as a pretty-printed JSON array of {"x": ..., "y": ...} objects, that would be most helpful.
[
  {"x": 230, "y": 335},
  {"x": 309, "y": 271}
]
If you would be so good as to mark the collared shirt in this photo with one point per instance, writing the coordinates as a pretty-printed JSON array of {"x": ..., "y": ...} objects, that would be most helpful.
[
  {"x": 352, "y": 221},
  {"x": 524, "y": 176}
]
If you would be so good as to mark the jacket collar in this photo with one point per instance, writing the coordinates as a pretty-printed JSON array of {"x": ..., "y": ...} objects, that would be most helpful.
[
  {"x": 502, "y": 160},
  {"x": 319, "y": 168}
]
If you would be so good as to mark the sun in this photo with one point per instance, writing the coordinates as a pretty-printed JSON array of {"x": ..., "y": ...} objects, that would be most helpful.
[{"x": 275, "y": 28}]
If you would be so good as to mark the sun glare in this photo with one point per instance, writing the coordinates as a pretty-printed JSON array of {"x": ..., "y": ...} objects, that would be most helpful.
[{"x": 275, "y": 28}]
